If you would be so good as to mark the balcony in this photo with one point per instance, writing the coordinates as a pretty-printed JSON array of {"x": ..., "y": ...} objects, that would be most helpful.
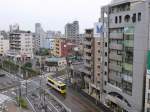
[
  {"x": 115, "y": 67},
  {"x": 87, "y": 57},
  {"x": 115, "y": 77},
  {"x": 87, "y": 64},
  {"x": 87, "y": 79},
  {"x": 127, "y": 78},
  {"x": 114, "y": 56},
  {"x": 116, "y": 35},
  {"x": 88, "y": 72},
  {"x": 116, "y": 46},
  {"x": 128, "y": 43},
  {"x": 128, "y": 67},
  {"x": 87, "y": 50},
  {"x": 88, "y": 35},
  {"x": 87, "y": 42}
]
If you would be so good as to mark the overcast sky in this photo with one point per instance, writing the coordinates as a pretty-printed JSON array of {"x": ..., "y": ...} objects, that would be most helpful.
[{"x": 52, "y": 14}]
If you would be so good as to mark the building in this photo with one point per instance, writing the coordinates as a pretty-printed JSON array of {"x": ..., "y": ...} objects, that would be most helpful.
[
  {"x": 63, "y": 48},
  {"x": 40, "y": 36},
  {"x": 126, "y": 41},
  {"x": 4, "y": 44},
  {"x": 21, "y": 45},
  {"x": 55, "y": 64},
  {"x": 72, "y": 31},
  {"x": 92, "y": 64}
]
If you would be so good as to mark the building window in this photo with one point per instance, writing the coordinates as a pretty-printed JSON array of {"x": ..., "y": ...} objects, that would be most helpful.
[
  {"x": 105, "y": 44},
  {"x": 134, "y": 18},
  {"x": 105, "y": 63},
  {"x": 148, "y": 98},
  {"x": 105, "y": 73},
  {"x": 148, "y": 109},
  {"x": 98, "y": 51},
  {"x": 127, "y": 87},
  {"x": 149, "y": 83},
  {"x": 127, "y": 18},
  {"x": 105, "y": 53},
  {"x": 105, "y": 83},
  {"x": 99, "y": 43},
  {"x": 139, "y": 16},
  {"x": 98, "y": 66},
  {"x": 116, "y": 19},
  {"x": 120, "y": 19}
]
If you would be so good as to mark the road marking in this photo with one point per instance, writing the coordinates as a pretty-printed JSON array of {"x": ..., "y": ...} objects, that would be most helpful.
[
  {"x": 53, "y": 106},
  {"x": 31, "y": 104}
]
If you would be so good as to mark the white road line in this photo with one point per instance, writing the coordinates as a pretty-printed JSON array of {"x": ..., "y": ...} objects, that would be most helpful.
[
  {"x": 31, "y": 105},
  {"x": 53, "y": 106}
]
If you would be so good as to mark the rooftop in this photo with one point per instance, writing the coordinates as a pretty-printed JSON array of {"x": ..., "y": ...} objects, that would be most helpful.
[{"x": 54, "y": 59}]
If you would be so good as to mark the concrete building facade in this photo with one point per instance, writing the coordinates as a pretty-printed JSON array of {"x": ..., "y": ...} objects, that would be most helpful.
[
  {"x": 126, "y": 38},
  {"x": 72, "y": 29},
  {"x": 4, "y": 45},
  {"x": 92, "y": 64},
  {"x": 21, "y": 45}
]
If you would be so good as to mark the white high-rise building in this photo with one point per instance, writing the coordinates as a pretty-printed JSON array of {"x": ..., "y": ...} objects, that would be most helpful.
[
  {"x": 4, "y": 45},
  {"x": 21, "y": 45},
  {"x": 72, "y": 30},
  {"x": 40, "y": 36}
]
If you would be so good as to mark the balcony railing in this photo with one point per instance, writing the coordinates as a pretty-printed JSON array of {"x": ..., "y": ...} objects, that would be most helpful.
[
  {"x": 87, "y": 57},
  {"x": 114, "y": 56},
  {"x": 127, "y": 78},
  {"x": 128, "y": 43},
  {"x": 128, "y": 67},
  {"x": 116, "y": 35},
  {"x": 87, "y": 50},
  {"x": 115, "y": 67},
  {"x": 88, "y": 35},
  {"x": 116, "y": 46}
]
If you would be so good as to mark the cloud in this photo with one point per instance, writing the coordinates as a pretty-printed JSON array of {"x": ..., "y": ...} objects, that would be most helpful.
[{"x": 53, "y": 14}]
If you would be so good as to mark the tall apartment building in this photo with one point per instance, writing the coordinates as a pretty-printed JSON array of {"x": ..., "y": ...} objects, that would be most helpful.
[
  {"x": 40, "y": 36},
  {"x": 125, "y": 51},
  {"x": 72, "y": 29},
  {"x": 21, "y": 45},
  {"x": 4, "y": 44},
  {"x": 92, "y": 63}
]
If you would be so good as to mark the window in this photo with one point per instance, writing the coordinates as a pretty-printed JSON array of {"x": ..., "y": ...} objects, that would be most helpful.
[
  {"x": 149, "y": 83},
  {"x": 98, "y": 51},
  {"x": 116, "y": 19},
  {"x": 105, "y": 44},
  {"x": 105, "y": 63},
  {"x": 148, "y": 98},
  {"x": 98, "y": 66},
  {"x": 105, "y": 83},
  {"x": 148, "y": 109},
  {"x": 127, "y": 18},
  {"x": 105, "y": 73},
  {"x": 105, "y": 53},
  {"x": 99, "y": 43},
  {"x": 134, "y": 18},
  {"x": 120, "y": 19},
  {"x": 127, "y": 87},
  {"x": 139, "y": 16}
]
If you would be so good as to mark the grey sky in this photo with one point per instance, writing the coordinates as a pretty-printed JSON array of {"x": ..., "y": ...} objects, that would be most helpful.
[{"x": 52, "y": 14}]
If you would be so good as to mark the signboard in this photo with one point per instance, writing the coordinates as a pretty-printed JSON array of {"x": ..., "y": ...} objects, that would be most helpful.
[
  {"x": 98, "y": 29},
  {"x": 148, "y": 62}
]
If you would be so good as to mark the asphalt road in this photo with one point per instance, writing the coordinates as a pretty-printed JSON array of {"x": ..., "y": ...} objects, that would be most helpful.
[{"x": 73, "y": 100}]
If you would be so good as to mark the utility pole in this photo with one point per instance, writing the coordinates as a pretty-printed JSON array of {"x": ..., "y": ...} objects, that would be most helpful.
[{"x": 26, "y": 83}]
